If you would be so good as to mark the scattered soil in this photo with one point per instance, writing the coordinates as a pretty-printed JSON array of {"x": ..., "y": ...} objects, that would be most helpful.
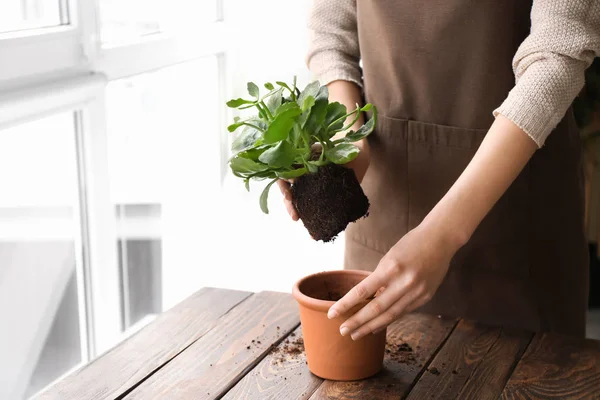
[
  {"x": 434, "y": 371},
  {"x": 402, "y": 353},
  {"x": 289, "y": 349},
  {"x": 328, "y": 200}
]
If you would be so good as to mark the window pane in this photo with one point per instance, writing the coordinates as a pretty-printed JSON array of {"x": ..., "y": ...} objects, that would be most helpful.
[
  {"x": 164, "y": 165},
  {"x": 126, "y": 21},
  {"x": 16, "y": 15},
  {"x": 39, "y": 239}
]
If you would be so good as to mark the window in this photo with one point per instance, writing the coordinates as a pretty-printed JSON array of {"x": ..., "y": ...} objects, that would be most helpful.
[
  {"x": 16, "y": 15},
  {"x": 40, "y": 249},
  {"x": 113, "y": 151}
]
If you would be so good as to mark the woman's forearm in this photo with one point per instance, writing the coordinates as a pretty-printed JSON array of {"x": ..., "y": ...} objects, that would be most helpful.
[{"x": 502, "y": 155}]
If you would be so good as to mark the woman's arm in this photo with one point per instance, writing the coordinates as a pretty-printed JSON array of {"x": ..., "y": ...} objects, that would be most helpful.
[
  {"x": 549, "y": 67},
  {"x": 414, "y": 268},
  {"x": 333, "y": 58}
]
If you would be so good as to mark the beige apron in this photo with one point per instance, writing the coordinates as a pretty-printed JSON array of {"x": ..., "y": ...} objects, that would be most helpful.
[{"x": 436, "y": 69}]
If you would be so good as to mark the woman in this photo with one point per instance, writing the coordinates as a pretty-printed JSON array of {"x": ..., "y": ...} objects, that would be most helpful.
[{"x": 475, "y": 182}]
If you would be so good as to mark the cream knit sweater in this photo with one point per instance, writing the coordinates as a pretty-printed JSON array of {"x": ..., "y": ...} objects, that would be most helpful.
[{"x": 549, "y": 65}]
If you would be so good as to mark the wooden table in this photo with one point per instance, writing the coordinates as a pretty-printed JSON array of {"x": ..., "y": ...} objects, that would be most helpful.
[{"x": 229, "y": 344}]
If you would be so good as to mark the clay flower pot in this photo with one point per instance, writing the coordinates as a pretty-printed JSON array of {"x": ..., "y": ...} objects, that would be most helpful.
[{"x": 329, "y": 354}]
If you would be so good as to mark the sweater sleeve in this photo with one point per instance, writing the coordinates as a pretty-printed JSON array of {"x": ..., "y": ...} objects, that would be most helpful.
[
  {"x": 549, "y": 65},
  {"x": 333, "y": 52}
]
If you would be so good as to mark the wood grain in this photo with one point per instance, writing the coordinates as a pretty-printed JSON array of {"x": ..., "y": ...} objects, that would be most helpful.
[
  {"x": 123, "y": 367},
  {"x": 458, "y": 358},
  {"x": 218, "y": 360},
  {"x": 557, "y": 367},
  {"x": 278, "y": 376},
  {"x": 423, "y": 333},
  {"x": 490, "y": 377}
]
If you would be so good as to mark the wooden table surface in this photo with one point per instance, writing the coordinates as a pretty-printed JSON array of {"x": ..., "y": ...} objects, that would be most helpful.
[{"x": 230, "y": 344}]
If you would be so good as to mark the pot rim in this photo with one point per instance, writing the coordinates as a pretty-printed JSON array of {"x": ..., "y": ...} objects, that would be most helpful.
[{"x": 316, "y": 304}]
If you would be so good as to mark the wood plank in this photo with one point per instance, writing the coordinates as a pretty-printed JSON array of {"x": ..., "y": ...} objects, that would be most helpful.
[
  {"x": 423, "y": 334},
  {"x": 217, "y": 361},
  {"x": 489, "y": 379},
  {"x": 458, "y": 358},
  {"x": 126, "y": 365},
  {"x": 557, "y": 367},
  {"x": 280, "y": 375}
]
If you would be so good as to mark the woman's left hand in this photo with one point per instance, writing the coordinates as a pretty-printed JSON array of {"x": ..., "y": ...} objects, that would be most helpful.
[{"x": 407, "y": 277}]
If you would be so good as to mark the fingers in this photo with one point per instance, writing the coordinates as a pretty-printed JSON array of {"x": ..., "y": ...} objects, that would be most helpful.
[
  {"x": 376, "y": 307},
  {"x": 284, "y": 186},
  {"x": 359, "y": 293},
  {"x": 388, "y": 316}
]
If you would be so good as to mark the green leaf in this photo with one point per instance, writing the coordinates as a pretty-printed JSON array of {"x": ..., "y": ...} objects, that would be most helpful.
[
  {"x": 364, "y": 130},
  {"x": 282, "y": 123},
  {"x": 342, "y": 153},
  {"x": 274, "y": 101},
  {"x": 247, "y": 183},
  {"x": 309, "y": 101},
  {"x": 319, "y": 163},
  {"x": 286, "y": 107},
  {"x": 235, "y": 103},
  {"x": 314, "y": 123},
  {"x": 367, "y": 107},
  {"x": 249, "y": 137},
  {"x": 295, "y": 173},
  {"x": 323, "y": 93},
  {"x": 280, "y": 156},
  {"x": 284, "y": 85},
  {"x": 234, "y": 126},
  {"x": 264, "y": 197},
  {"x": 243, "y": 165},
  {"x": 335, "y": 111},
  {"x": 253, "y": 153},
  {"x": 269, "y": 86},
  {"x": 253, "y": 90},
  {"x": 312, "y": 89},
  {"x": 312, "y": 168}
]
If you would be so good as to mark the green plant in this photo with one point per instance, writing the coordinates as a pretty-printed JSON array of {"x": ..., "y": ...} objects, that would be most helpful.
[{"x": 278, "y": 141}]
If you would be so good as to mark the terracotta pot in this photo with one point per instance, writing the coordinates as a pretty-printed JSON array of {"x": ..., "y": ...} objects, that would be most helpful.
[{"x": 329, "y": 354}]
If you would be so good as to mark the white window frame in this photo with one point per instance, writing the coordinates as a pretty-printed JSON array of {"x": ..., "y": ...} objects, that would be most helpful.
[{"x": 66, "y": 68}]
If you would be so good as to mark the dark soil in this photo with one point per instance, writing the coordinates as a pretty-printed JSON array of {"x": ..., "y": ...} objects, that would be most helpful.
[
  {"x": 328, "y": 200},
  {"x": 434, "y": 371},
  {"x": 333, "y": 296},
  {"x": 402, "y": 353}
]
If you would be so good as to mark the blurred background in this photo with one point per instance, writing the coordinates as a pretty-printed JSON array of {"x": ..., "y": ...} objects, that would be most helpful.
[{"x": 116, "y": 199}]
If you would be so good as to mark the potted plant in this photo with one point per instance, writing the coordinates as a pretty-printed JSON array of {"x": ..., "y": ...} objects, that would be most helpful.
[
  {"x": 329, "y": 354},
  {"x": 291, "y": 136}
]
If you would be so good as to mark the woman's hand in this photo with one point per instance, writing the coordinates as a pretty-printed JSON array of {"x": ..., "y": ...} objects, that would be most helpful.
[
  {"x": 414, "y": 268},
  {"x": 406, "y": 278},
  {"x": 360, "y": 165}
]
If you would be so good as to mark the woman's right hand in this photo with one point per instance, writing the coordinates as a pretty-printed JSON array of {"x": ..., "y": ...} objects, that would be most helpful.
[{"x": 360, "y": 165}]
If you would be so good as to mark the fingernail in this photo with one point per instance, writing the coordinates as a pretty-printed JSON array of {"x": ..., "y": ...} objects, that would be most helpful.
[
  {"x": 356, "y": 335},
  {"x": 332, "y": 314},
  {"x": 344, "y": 330}
]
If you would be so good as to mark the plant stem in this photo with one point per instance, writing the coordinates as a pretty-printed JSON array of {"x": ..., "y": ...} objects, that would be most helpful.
[
  {"x": 269, "y": 115},
  {"x": 294, "y": 89},
  {"x": 261, "y": 112},
  {"x": 254, "y": 126},
  {"x": 343, "y": 118}
]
